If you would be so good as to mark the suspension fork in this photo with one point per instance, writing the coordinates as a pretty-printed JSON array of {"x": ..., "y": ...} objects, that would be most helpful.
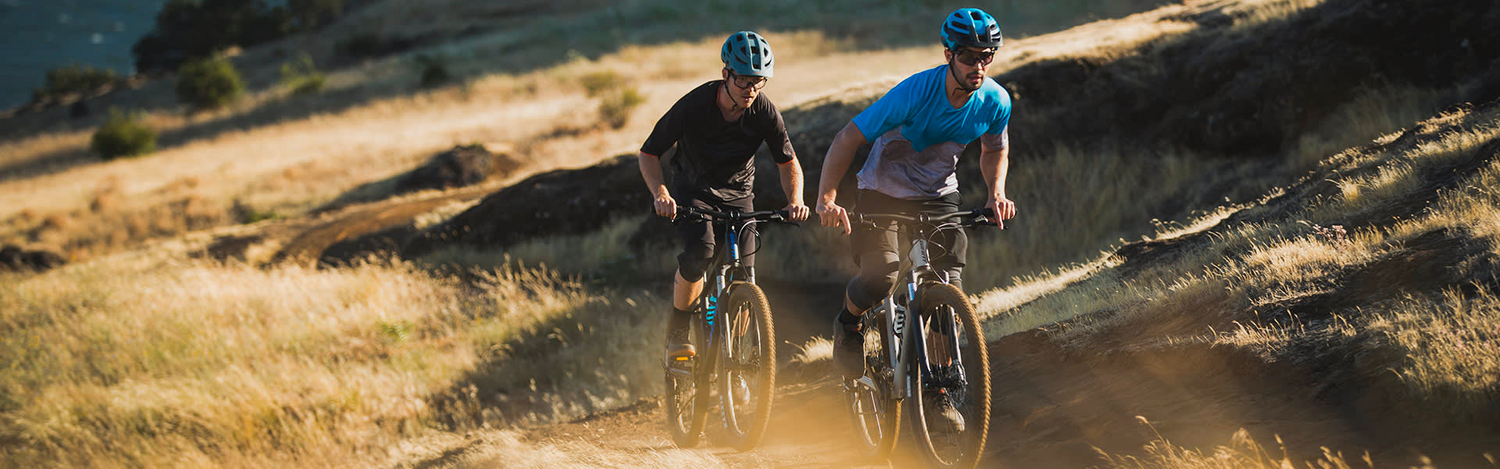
[
  {"x": 728, "y": 273},
  {"x": 913, "y": 345}
]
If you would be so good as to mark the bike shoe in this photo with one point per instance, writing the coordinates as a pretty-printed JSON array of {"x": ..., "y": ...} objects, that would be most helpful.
[
  {"x": 679, "y": 348},
  {"x": 849, "y": 348},
  {"x": 942, "y": 415}
]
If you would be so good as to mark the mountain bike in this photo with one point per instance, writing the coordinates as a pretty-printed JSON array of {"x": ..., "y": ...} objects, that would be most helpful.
[
  {"x": 926, "y": 345},
  {"x": 733, "y": 331}
]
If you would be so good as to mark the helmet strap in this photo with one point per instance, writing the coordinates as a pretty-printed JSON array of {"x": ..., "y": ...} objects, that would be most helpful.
[
  {"x": 956, "y": 79},
  {"x": 734, "y": 104}
]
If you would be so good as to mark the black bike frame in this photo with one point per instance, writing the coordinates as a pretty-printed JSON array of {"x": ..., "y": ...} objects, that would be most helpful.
[{"x": 726, "y": 265}]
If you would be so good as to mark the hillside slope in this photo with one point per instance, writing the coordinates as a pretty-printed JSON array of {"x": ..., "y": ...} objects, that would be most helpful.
[{"x": 1291, "y": 277}]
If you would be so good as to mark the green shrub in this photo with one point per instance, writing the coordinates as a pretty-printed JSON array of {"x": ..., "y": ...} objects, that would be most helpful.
[
  {"x": 123, "y": 135},
  {"x": 434, "y": 70},
  {"x": 209, "y": 83},
  {"x": 615, "y": 109},
  {"x": 80, "y": 79},
  {"x": 247, "y": 214},
  {"x": 595, "y": 84},
  {"x": 302, "y": 77}
]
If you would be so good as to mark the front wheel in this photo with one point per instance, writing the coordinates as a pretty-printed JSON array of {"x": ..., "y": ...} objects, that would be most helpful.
[
  {"x": 747, "y": 366},
  {"x": 958, "y": 381}
]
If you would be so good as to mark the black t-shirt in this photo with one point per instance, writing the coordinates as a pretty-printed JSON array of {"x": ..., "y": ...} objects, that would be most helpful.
[{"x": 715, "y": 157}]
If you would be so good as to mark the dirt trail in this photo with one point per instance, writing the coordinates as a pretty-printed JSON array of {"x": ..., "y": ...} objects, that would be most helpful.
[
  {"x": 1055, "y": 408},
  {"x": 312, "y": 245}
]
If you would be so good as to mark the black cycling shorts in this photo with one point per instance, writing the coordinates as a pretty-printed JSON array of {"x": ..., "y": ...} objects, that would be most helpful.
[
  {"x": 877, "y": 249},
  {"x": 699, "y": 237}
]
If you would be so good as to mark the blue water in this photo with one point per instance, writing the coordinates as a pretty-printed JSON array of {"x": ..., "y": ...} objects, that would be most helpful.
[{"x": 42, "y": 34}]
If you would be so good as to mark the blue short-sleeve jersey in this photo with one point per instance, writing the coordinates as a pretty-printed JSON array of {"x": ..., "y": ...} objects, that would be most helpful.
[{"x": 919, "y": 107}]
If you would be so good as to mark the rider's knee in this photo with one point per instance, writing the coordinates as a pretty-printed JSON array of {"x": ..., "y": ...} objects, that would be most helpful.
[
  {"x": 865, "y": 290},
  {"x": 693, "y": 262}
]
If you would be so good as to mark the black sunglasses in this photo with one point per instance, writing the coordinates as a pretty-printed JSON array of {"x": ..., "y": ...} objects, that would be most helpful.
[{"x": 973, "y": 58}]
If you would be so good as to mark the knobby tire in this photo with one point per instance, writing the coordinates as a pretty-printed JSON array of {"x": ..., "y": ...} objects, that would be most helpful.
[
  {"x": 752, "y": 335},
  {"x": 969, "y": 444}
]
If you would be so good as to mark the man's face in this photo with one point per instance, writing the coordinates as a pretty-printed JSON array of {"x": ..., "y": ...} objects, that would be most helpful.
[
  {"x": 970, "y": 65},
  {"x": 743, "y": 89}
]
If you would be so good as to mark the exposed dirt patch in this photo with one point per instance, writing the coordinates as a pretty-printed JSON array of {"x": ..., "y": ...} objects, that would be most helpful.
[
  {"x": 391, "y": 219},
  {"x": 1138, "y": 255},
  {"x": 552, "y": 203},
  {"x": 16, "y": 259},
  {"x": 458, "y": 167}
]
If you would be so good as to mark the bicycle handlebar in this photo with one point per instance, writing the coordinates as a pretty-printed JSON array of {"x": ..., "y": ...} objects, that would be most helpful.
[
  {"x": 968, "y": 218},
  {"x": 763, "y": 215}
]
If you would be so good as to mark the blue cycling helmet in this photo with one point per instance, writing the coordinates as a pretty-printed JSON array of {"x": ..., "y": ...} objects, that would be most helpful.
[
  {"x": 747, "y": 53},
  {"x": 971, "y": 27}
]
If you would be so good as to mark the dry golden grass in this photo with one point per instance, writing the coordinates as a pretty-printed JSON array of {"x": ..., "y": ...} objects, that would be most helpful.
[
  {"x": 187, "y": 363},
  {"x": 1451, "y": 343},
  {"x": 1242, "y": 452}
]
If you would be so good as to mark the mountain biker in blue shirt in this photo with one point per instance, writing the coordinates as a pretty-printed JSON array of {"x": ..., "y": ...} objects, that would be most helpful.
[
  {"x": 717, "y": 128},
  {"x": 918, "y": 129}
]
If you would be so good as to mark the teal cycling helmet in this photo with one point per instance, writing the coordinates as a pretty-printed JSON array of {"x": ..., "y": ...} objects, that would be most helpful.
[
  {"x": 971, "y": 27},
  {"x": 747, "y": 53}
]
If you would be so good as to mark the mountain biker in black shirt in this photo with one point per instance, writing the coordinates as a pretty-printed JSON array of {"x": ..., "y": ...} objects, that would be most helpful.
[{"x": 717, "y": 128}]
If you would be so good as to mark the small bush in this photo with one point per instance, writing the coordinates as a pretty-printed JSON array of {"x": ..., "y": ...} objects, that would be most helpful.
[
  {"x": 434, "y": 70},
  {"x": 123, "y": 135},
  {"x": 209, "y": 83},
  {"x": 596, "y": 84},
  {"x": 302, "y": 76},
  {"x": 247, "y": 214},
  {"x": 73, "y": 79},
  {"x": 615, "y": 109}
]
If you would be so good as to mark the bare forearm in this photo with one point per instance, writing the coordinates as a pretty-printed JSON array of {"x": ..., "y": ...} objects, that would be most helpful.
[
  {"x": 651, "y": 172},
  {"x": 791, "y": 180},
  {"x": 994, "y": 164},
  {"x": 836, "y": 163}
]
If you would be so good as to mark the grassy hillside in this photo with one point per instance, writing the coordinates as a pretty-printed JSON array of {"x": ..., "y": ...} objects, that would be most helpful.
[{"x": 1374, "y": 280}]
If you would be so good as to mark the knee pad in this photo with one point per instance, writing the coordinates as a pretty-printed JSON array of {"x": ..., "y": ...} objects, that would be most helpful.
[
  {"x": 866, "y": 290},
  {"x": 693, "y": 262}
]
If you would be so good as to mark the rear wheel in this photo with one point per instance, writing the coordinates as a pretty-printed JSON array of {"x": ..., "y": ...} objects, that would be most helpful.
[
  {"x": 747, "y": 366},
  {"x": 875, "y": 415},
  {"x": 960, "y": 375},
  {"x": 687, "y": 398}
]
